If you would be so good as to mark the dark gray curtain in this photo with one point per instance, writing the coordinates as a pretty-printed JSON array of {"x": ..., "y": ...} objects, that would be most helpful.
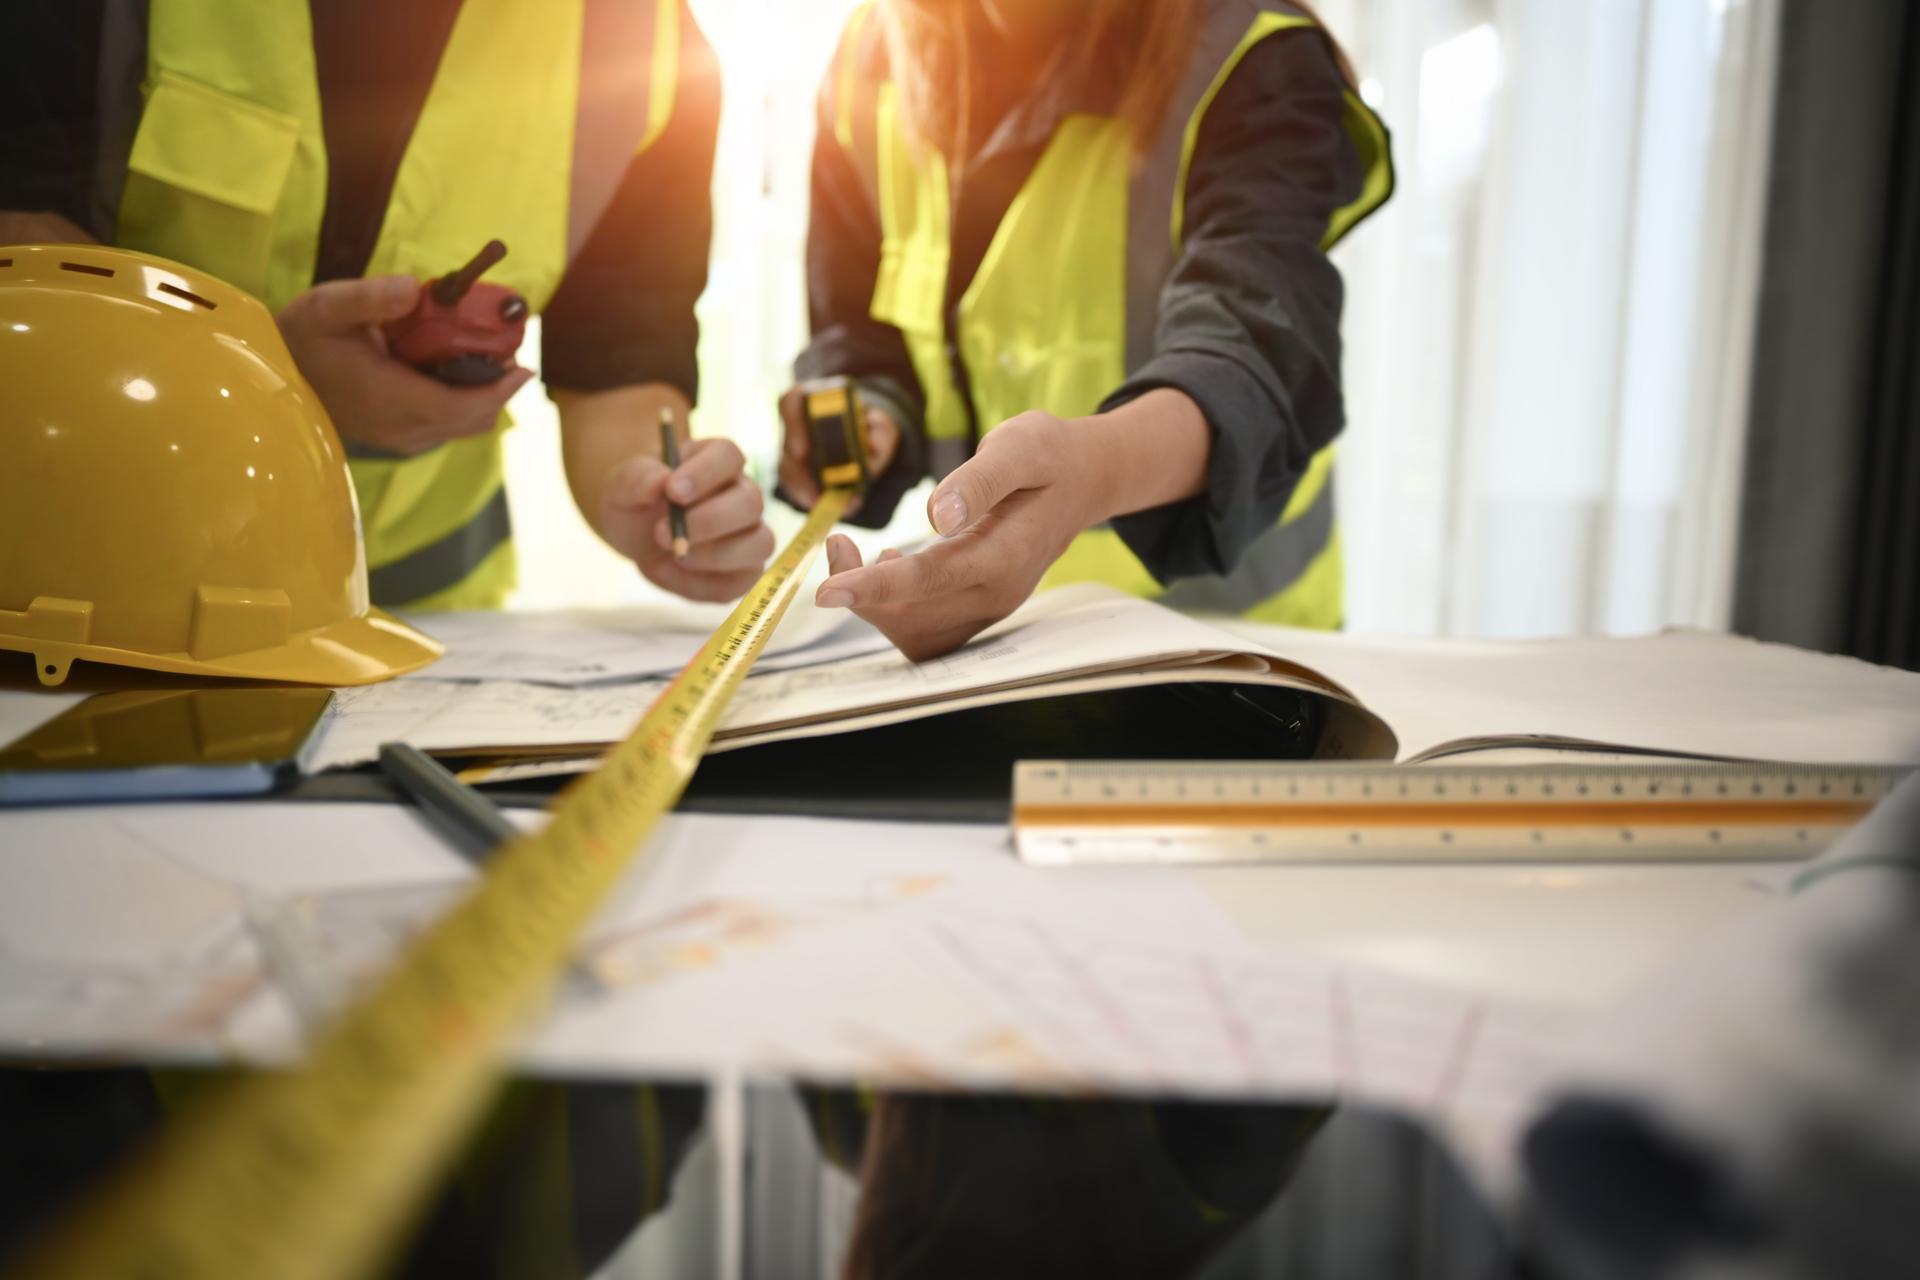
[{"x": 1830, "y": 523}]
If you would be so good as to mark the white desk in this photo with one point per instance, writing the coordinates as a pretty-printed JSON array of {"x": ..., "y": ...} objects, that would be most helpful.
[
  {"x": 1572, "y": 938},
  {"x": 137, "y": 888}
]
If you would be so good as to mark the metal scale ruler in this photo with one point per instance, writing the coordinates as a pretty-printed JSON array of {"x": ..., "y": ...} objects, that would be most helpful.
[{"x": 1086, "y": 813}]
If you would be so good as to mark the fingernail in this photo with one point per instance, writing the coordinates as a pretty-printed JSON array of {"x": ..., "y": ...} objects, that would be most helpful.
[
  {"x": 949, "y": 514},
  {"x": 681, "y": 488},
  {"x": 833, "y": 597}
]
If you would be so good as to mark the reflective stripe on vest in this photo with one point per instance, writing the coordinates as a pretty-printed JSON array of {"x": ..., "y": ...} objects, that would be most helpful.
[
  {"x": 439, "y": 567},
  {"x": 1067, "y": 296},
  {"x": 534, "y": 113}
]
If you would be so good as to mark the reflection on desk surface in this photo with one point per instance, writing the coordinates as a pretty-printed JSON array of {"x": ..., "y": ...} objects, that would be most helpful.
[
  {"x": 621, "y": 1178},
  {"x": 625, "y": 1179}
]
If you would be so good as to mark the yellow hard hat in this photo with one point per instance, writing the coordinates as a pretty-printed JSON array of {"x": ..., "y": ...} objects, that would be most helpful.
[{"x": 172, "y": 494}]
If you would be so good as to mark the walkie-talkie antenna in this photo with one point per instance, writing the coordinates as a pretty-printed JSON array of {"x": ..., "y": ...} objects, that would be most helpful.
[{"x": 453, "y": 286}]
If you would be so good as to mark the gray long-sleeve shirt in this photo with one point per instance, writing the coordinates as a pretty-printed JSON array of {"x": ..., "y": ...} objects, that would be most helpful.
[{"x": 1249, "y": 316}]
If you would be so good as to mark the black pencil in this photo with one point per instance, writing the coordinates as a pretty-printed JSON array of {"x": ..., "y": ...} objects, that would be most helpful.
[
  {"x": 470, "y": 820},
  {"x": 670, "y": 454}
]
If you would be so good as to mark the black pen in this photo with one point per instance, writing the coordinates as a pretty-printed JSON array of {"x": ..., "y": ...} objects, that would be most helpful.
[
  {"x": 471, "y": 821},
  {"x": 670, "y": 454}
]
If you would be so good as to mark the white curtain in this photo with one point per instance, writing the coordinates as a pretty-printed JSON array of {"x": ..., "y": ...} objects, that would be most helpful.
[{"x": 1547, "y": 328}]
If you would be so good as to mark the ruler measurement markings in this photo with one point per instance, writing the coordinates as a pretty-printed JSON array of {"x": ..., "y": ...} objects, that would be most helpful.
[
  {"x": 1709, "y": 809},
  {"x": 1426, "y": 814}
]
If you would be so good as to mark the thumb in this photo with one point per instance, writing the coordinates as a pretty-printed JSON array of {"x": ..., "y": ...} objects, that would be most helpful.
[
  {"x": 982, "y": 482},
  {"x": 637, "y": 482},
  {"x": 339, "y": 305},
  {"x": 797, "y": 444}
]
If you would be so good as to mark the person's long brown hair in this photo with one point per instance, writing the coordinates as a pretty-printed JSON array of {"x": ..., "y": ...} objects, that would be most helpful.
[{"x": 929, "y": 46}]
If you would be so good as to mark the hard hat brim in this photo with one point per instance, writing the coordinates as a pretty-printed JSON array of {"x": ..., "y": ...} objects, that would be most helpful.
[{"x": 353, "y": 651}]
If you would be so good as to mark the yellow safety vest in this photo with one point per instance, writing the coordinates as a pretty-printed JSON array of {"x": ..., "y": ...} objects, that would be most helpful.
[
  {"x": 228, "y": 172},
  {"x": 1064, "y": 302}
]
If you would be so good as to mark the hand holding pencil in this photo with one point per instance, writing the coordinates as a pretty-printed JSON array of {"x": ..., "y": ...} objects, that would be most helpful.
[{"x": 685, "y": 511}]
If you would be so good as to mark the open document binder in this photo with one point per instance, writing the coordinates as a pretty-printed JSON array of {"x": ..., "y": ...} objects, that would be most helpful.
[{"x": 1090, "y": 672}]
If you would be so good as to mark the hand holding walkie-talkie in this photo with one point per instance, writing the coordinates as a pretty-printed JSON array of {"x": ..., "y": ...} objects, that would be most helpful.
[{"x": 463, "y": 330}]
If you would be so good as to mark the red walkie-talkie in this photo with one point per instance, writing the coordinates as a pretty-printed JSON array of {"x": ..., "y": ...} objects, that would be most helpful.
[{"x": 462, "y": 331}]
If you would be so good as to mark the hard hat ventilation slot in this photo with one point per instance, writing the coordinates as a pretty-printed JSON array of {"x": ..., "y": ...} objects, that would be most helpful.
[
  {"x": 194, "y": 298},
  {"x": 86, "y": 269},
  {"x": 6, "y": 262}
]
